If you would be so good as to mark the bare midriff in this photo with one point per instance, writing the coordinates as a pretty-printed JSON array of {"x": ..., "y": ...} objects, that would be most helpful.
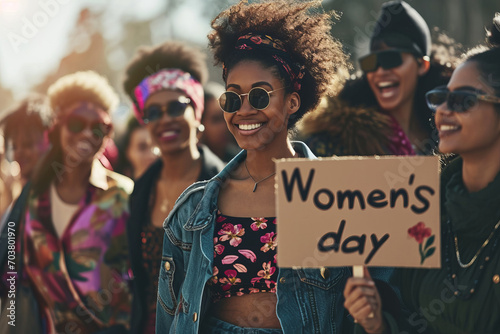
[{"x": 257, "y": 310}]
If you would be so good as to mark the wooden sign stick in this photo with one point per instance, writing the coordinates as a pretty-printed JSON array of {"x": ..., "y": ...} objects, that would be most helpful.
[{"x": 357, "y": 271}]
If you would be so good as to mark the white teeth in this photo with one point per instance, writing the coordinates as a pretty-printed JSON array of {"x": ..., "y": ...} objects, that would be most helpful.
[
  {"x": 167, "y": 133},
  {"x": 448, "y": 127},
  {"x": 388, "y": 94},
  {"x": 84, "y": 146},
  {"x": 249, "y": 126},
  {"x": 385, "y": 84}
]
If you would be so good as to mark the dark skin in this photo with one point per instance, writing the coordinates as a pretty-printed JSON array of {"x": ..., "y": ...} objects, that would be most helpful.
[
  {"x": 263, "y": 133},
  {"x": 176, "y": 139},
  {"x": 363, "y": 302},
  {"x": 252, "y": 310},
  {"x": 79, "y": 150}
]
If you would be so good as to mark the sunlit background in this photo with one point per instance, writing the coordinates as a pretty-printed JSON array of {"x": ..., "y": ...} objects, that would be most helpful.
[{"x": 43, "y": 40}]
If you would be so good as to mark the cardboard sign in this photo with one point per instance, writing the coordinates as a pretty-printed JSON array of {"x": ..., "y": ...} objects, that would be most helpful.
[{"x": 345, "y": 211}]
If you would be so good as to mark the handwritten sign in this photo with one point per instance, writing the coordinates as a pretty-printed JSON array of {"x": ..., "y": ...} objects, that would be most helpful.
[{"x": 345, "y": 211}]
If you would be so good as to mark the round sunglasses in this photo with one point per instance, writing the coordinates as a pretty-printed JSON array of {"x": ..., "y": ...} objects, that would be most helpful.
[
  {"x": 258, "y": 97},
  {"x": 77, "y": 124},
  {"x": 173, "y": 109},
  {"x": 457, "y": 101}
]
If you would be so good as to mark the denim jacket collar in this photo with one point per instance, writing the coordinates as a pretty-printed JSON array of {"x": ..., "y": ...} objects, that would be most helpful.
[{"x": 208, "y": 203}]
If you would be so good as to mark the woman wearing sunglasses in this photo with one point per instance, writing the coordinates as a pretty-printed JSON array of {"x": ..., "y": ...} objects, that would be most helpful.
[
  {"x": 464, "y": 295},
  {"x": 384, "y": 111},
  {"x": 74, "y": 244},
  {"x": 165, "y": 84},
  {"x": 219, "y": 272}
]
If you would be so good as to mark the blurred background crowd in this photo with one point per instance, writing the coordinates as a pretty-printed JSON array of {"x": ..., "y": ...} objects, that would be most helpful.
[{"x": 41, "y": 41}]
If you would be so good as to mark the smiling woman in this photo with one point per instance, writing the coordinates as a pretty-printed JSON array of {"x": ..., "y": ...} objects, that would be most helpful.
[
  {"x": 462, "y": 296},
  {"x": 75, "y": 215},
  {"x": 219, "y": 272},
  {"x": 169, "y": 102},
  {"x": 384, "y": 111}
]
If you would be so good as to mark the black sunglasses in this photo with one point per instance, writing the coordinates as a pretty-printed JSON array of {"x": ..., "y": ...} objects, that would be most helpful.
[
  {"x": 387, "y": 59},
  {"x": 457, "y": 101},
  {"x": 258, "y": 97},
  {"x": 174, "y": 109},
  {"x": 77, "y": 124}
]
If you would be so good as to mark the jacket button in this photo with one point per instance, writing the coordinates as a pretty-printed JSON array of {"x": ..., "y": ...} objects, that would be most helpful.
[
  {"x": 167, "y": 266},
  {"x": 282, "y": 280},
  {"x": 195, "y": 317},
  {"x": 496, "y": 279}
]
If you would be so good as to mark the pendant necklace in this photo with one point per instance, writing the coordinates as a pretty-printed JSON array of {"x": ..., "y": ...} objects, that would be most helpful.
[
  {"x": 256, "y": 182},
  {"x": 164, "y": 203}
]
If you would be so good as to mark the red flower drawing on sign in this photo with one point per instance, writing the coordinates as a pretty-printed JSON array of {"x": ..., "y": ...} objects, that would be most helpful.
[{"x": 420, "y": 232}]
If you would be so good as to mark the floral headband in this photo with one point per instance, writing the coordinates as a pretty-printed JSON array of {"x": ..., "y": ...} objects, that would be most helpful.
[
  {"x": 173, "y": 79},
  {"x": 274, "y": 47}
]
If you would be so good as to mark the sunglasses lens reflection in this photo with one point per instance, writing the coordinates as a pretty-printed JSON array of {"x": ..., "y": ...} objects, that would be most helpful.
[
  {"x": 152, "y": 113},
  {"x": 176, "y": 108},
  {"x": 461, "y": 101},
  {"x": 230, "y": 102},
  {"x": 435, "y": 99},
  {"x": 368, "y": 63},
  {"x": 258, "y": 98},
  {"x": 455, "y": 101},
  {"x": 77, "y": 125}
]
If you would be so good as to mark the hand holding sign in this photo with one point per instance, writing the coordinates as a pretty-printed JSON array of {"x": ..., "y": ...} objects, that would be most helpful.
[{"x": 363, "y": 302}]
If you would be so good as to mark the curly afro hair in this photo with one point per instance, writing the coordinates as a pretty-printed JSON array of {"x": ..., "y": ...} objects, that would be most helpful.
[
  {"x": 172, "y": 54},
  {"x": 87, "y": 86},
  {"x": 304, "y": 30}
]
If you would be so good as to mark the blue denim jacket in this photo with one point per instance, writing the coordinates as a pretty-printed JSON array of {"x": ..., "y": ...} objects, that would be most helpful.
[{"x": 308, "y": 301}]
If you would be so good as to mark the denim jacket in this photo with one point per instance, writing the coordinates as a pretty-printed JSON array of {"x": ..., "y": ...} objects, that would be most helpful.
[{"x": 309, "y": 300}]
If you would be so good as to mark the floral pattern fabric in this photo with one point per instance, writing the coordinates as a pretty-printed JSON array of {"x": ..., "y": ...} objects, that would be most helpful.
[
  {"x": 244, "y": 256},
  {"x": 81, "y": 279},
  {"x": 151, "y": 243}
]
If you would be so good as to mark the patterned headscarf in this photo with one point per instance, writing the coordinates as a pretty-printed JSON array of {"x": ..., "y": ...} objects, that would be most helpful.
[
  {"x": 273, "y": 47},
  {"x": 173, "y": 79}
]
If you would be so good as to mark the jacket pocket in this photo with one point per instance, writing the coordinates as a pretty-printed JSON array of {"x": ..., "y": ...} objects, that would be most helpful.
[
  {"x": 166, "y": 293},
  {"x": 320, "y": 298},
  {"x": 324, "y": 279}
]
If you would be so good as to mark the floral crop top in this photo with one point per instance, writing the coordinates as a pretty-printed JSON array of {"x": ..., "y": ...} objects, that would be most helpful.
[{"x": 244, "y": 256}]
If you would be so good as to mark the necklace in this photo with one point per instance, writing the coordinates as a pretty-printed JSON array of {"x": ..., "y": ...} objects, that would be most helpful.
[
  {"x": 164, "y": 206},
  {"x": 465, "y": 292},
  {"x": 256, "y": 182},
  {"x": 485, "y": 243}
]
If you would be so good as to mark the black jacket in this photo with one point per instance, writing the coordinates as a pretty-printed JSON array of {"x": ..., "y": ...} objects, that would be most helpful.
[{"x": 139, "y": 216}]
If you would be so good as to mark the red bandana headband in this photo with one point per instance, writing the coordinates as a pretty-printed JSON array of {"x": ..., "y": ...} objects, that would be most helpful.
[
  {"x": 273, "y": 47},
  {"x": 173, "y": 79}
]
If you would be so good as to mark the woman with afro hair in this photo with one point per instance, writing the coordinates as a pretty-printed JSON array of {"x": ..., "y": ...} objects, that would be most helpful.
[
  {"x": 165, "y": 84},
  {"x": 71, "y": 242},
  {"x": 219, "y": 272}
]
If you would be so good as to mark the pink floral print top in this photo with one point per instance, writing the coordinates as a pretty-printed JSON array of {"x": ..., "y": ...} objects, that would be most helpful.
[
  {"x": 244, "y": 256},
  {"x": 81, "y": 279}
]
